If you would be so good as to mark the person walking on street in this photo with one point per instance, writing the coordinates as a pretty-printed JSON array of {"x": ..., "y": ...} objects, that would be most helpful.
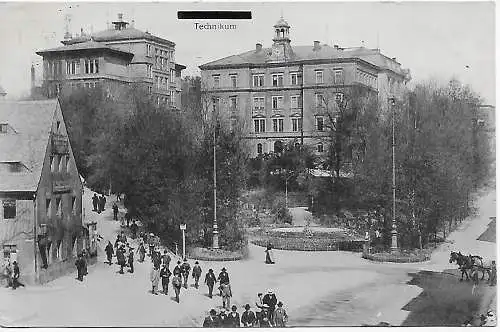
[
  {"x": 263, "y": 317},
  {"x": 248, "y": 317},
  {"x": 226, "y": 295},
  {"x": 211, "y": 320},
  {"x": 210, "y": 281},
  {"x": 142, "y": 252},
  {"x": 177, "y": 268},
  {"x": 109, "y": 252},
  {"x": 185, "y": 268},
  {"x": 131, "y": 260},
  {"x": 133, "y": 229},
  {"x": 157, "y": 258},
  {"x": 165, "y": 258},
  {"x": 95, "y": 202},
  {"x": 103, "y": 202},
  {"x": 99, "y": 204},
  {"x": 151, "y": 244},
  {"x": 120, "y": 256},
  {"x": 280, "y": 316},
  {"x": 234, "y": 317},
  {"x": 196, "y": 274},
  {"x": 165, "y": 278},
  {"x": 271, "y": 300},
  {"x": 79, "y": 267},
  {"x": 259, "y": 304},
  {"x": 15, "y": 276},
  {"x": 85, "y": 257},
  {"x": 154, "y": 276},
  {"x": 223, "y": 279},
  {"x": 8, "y": 273},
  {"x": 493, "y": 274},
  {"x": 177, "y": 284},
  {"x": 115, "y": 211}
]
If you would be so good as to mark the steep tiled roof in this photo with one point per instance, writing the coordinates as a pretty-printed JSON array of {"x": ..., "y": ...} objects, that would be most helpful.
[
  {"x": 87, "y": 45},
  {"x": 113, "y": 34},
  {"x": 27, "y": 144},
  {"x": 304, "y": 53}
]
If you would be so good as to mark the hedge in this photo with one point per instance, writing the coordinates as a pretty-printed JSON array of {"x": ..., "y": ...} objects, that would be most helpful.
[
  {"x": 309, "y": 244},
  {"x": 413, "y": 257},
  {"x": 204, "y": 254}
]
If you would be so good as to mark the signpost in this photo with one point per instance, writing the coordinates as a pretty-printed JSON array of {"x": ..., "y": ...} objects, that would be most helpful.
[{"x": 183, "y": 229}]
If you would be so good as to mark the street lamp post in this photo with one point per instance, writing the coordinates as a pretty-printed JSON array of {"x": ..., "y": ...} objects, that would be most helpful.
[
  {"x": 394, "y": 232},
  {"x": 183, "y": 229},
  {"x": 215, "y": 239}
]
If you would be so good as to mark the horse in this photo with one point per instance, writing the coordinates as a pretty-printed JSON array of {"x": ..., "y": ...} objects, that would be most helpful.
[{"x": 466, "y": 263}]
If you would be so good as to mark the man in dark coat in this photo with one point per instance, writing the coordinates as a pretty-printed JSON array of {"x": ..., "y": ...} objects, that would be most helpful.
[
  {"x": 177, "y": 284},
  {"x": 271, "y": 300},
  {"x": 133, "y": 229},
  {"x": 196, "y": 274},
  {"x": 223, "y": 319},
  {"x": 234, "y": 317},
  {"x": 210, "y": 281},
  {"x": 79, "y": 267},
  {"x": 103, "y": 202},
  {"x": 165, "y": 278},
  {"x": 15, "y": 277},
  {"x": 248, "y": 317},
  {"x": 84, "y": 258},
  {"x": 120, "y": 256},
  {"x": 115, "y": 212},
  {"x": 177, "y": 268},
  {"x": 131, "y": 260},
  {"x": 223, "y": 278},
  {"x": 95, "y": 202},
  {"x": 109, "y": 252},
  {"x": 165, "y": 258},
  {"x": 185, "y": 269},
  {"x": 211, "y": 320}
]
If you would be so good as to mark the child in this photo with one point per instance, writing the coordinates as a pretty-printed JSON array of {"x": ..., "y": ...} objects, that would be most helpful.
[{"x": 280, "y": 316}]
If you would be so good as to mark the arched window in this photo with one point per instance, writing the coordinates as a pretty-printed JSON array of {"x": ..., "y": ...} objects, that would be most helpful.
[
  {"x": 319, "y": 147},
  {"x": 259, "y": 148}
]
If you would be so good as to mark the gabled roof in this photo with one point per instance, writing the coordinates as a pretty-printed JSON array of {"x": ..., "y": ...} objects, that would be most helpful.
[
  {"x": 113, "y": 35},
  {"x": 32, "y": 122},
  {"x": 307, "y": 53},
  {"x": 87, "y": 45}
]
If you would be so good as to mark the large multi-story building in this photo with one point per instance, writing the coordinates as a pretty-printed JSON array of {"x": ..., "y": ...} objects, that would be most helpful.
[
  {"x": 281, "y": 93},
  {"x": 114, "y": 58},
  {"x": 40, "y": 191}
]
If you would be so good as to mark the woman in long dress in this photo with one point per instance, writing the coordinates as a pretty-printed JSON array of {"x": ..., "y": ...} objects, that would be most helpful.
[{"x": 269, "y": 254}]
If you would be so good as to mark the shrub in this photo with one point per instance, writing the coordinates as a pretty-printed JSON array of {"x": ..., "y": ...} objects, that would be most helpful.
[
  {"x": 309, "y": 244},
  {"x": 280, "y": 212},
  {"x": 407, "y": 256}
]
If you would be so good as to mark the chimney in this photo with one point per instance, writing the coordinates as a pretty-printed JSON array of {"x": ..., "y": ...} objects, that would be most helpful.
[
  {"x": 258, "y": 47},
  {"x": 81, "y": 31},
  {"x": 316, "y": 45},
  {"x": 336, "y": 47}
]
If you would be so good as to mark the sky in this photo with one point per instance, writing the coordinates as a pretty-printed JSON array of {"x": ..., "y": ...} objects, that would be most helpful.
[{"x": 435, "y": 40}]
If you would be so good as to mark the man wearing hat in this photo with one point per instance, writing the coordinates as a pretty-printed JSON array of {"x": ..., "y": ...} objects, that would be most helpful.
[
  {"x": 196, "y": 273},
  {"x": 234, "y": 317},
  {"x": 263, "y": 317},
  {"x": 177, "y": 284},
  {"x": 185, "y": 269},
  {"x": 223, "y": 320},
  {"x": 15, "y": 276},
  {"x": 120, "y": 256},
  {"x": 248, "y": 317},
  {"x": 226, "y": 295},
  {"x": 79, "y": 267},
  {"x": 154, "y": 277},
  {"x": 223, "y": 279},
  {"x": 131, "y": 259},
  {"x": 165, "y": 278},
  {"x": 211, "y": 320},
  {"x": 166, "y": 258},
  {"x": 271, "y": 300},
  {"x": 210, "y": 281},
  {"x": 177, "y": 268}
]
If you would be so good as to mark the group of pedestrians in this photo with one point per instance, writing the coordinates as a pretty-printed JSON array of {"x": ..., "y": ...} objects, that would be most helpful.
[
  {"x": 12, "y": 273},
  {"x": 268, "y": 316},
  {"x": 98, "y": 203}
]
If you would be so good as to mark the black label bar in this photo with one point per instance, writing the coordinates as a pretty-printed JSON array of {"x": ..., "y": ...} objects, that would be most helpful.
[{"x": 214, "y": 15}]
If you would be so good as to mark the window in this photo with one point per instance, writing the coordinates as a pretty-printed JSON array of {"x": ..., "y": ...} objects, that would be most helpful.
[
  {"x": 278, "y": 125},
  {"x": 234, "y": 80},
  {"x": 68, "y": 164},
  {"x": 62, "y": 166},
  {"x": 91, "y": 66},
  {"x": 259, "y": 148},
  {"x": 260, "y": 125},
  {"x": 9, "y": 209},
  {"x": 73, "y": 67},
  {"x": 4, "y": 128},
  {"x": 319, "y": 123},
  {"x": 258, "y": 103},
  {"x": 216, "y": 104},
  {"x": 53, "y": 161},
  {"x": 319, "y": 76},
  {"x": 277, "y": 102},
  {"x": 296, "y": 124},
  {"x": 58, "y": 207},
  {"x": 294, "y": 78},
  {"x": 150, "y": 89},
  {"x": 319, "y": 147},
  {"x": 48, "y": 207},
  {"x": 158, "y": 82},
  {"x": 233, "y": 103},
  {"x": 339, "y": 97},
  {"x": 258, "y": 80},
  {"x": 338, "y": 76},
  {"x": 216, "y": 81},
  {"x": 320, "y": 101},
  {"x": 148, "y": 49},
  {"x": 149, "y": 69},
  {"x": 277, "y": 79},
  {"x": 294, "y": 102}
]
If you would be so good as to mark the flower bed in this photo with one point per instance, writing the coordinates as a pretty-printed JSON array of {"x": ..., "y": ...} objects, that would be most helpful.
[
  {"x": 309, "y": 243},
  {"x": 400, "y": 257},
  {"x": 205, "y": 254}
]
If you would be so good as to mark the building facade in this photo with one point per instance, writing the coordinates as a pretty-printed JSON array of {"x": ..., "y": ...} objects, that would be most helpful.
[
  {"x": 283, "y": 92},
  {"x": 113, "y": 59},
  {"x": 40, "y": 191}
]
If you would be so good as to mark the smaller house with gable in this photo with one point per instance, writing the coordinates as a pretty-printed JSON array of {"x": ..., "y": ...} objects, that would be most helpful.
[{"x": 40, "y": 191}]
